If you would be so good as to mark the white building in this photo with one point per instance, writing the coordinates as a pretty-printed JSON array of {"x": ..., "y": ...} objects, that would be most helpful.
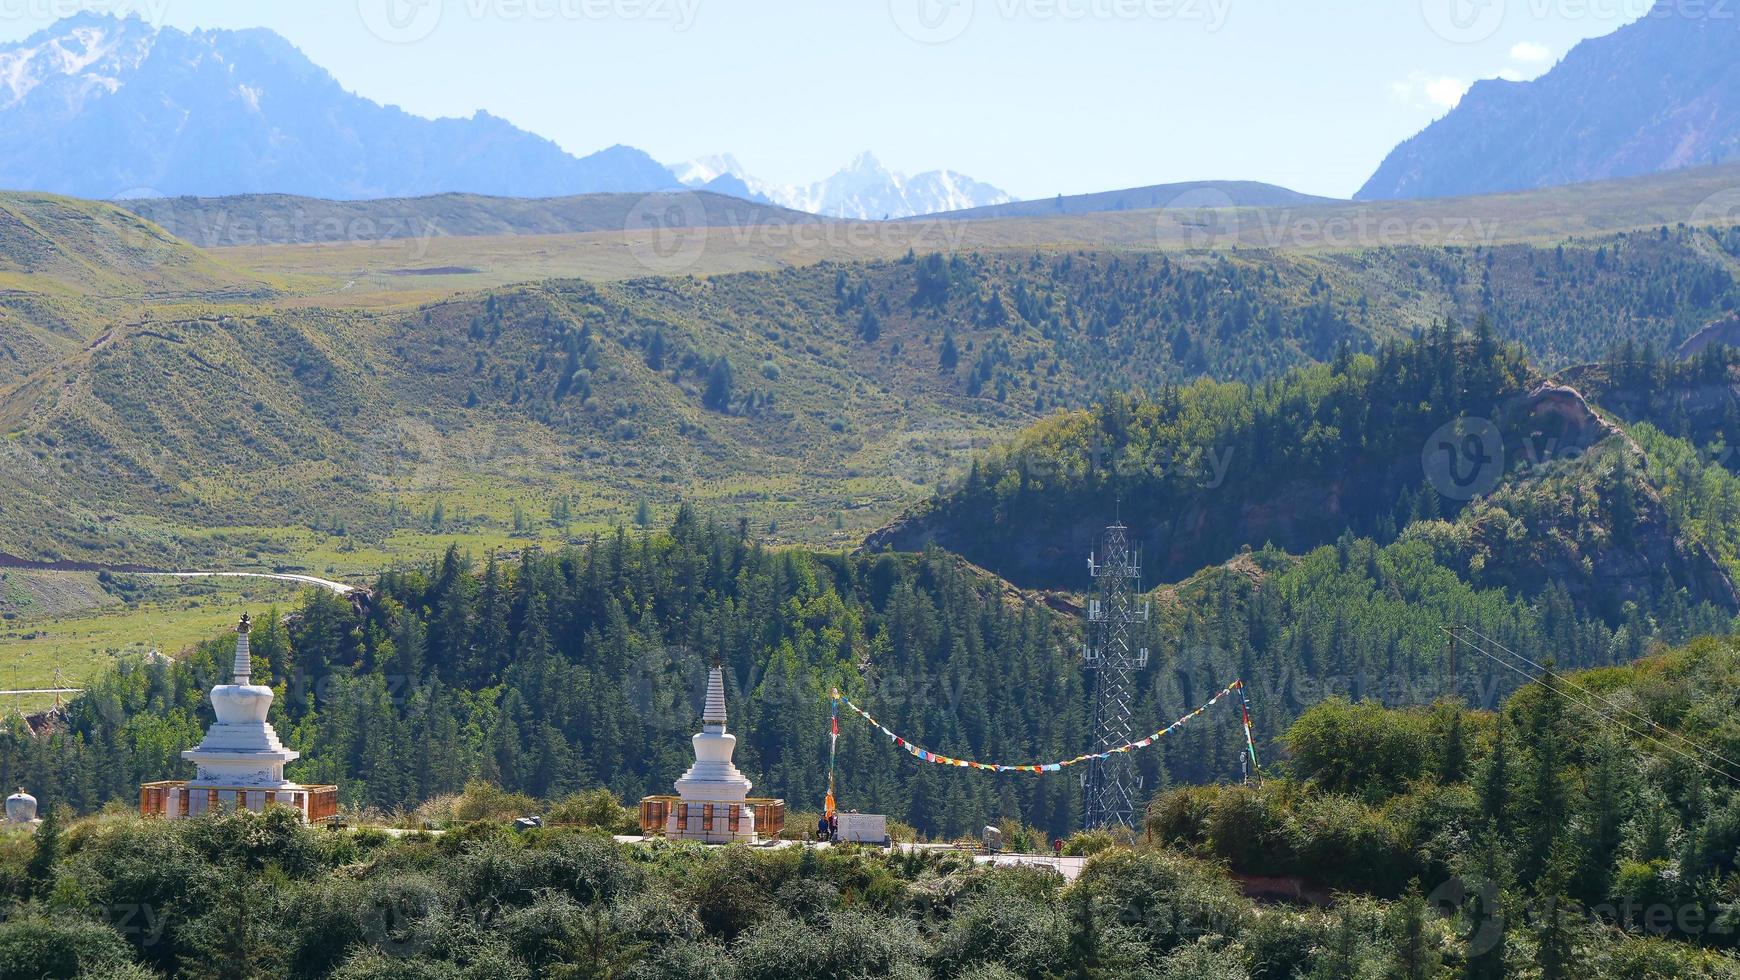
[{"x": 240, "y": 764}]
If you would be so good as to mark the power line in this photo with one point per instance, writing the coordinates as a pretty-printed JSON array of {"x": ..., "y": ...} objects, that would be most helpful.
[
  {"x": 1732, "y": 774},
  {"x": 1650, "y": 722}
]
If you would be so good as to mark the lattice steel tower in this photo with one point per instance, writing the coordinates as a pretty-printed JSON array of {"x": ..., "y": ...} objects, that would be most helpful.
[{"x": 1111, "y": 659}]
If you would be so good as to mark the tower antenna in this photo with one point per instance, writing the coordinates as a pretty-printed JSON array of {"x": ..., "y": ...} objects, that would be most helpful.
[{"x": 1111, "y": 659}]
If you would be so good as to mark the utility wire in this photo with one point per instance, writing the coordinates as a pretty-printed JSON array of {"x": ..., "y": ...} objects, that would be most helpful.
[
  {"x": 1650, "y": 722},
  {"x": 1732, "y": 773},
  {"x": 1607, "y": 717}
]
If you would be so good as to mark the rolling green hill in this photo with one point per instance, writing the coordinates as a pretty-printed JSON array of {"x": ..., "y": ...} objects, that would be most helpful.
[
  {"x": 70, "y": 268},
  {"x": 1550, "y": 496}
]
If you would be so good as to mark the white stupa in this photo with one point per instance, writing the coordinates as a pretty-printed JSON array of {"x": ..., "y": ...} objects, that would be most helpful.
[
  {"x": 21, "y": 807},
  {"x": 241, "y": 750},
  {"x": 713, "y": 795}
]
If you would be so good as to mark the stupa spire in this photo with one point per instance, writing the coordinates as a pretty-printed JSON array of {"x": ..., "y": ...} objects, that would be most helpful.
[
  {"x": 714, "y": 712},
  {"x": 244, "y": 666}
]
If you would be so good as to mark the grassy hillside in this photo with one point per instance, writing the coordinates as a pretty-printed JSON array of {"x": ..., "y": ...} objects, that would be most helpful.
[
  {"x": 325, "y": 436},
  {"x": 71, "y": 268},
  {"x": 284, "y": 219},
  {"x": 73, "y": 626},
  {"x": 587, "y": 653},
  {"x": 371, "y": 269}
]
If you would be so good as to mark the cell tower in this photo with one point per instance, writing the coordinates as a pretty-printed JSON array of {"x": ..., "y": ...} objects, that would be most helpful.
[{"x": 1112, "y": 659}]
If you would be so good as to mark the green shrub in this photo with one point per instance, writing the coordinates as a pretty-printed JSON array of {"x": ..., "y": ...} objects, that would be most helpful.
[
  {"x": 40, "y": 949},
  {"x": 1086, "y": 843},
  {"x": 851, "y": 944},
  {"x": 146, "y": 874},
  {"x": 277, "y": 837},
  {"x": 1248, "y": 827},
  {"x": 368, "y": 964},
  {"x": 1362, "y": 748},
  {"x": 1166, "y": 899},
  {"x": 597, "y": 808},
  {"x": 1280, "y": 943},
  {"x": 486, "y": 801},
  {"x": 1020, "y": 933},
  {"x": 327, "y": 919},
  {"x": 1347, "y": 845},
  {"x": 504, "y": 872}
]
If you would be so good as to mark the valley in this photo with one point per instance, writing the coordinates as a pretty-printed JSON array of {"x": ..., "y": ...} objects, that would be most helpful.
[
  {"x": 500, "y": 375},
  {"x": 696, "y": 234},
  {"x": 1177, "y": 550}
]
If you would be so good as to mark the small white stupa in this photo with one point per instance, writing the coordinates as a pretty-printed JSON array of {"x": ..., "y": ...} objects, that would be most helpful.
[
  {"x": 241, "y": 749},
  {"x": 240, "y": 764},
  {"x": 21, "y": 807},
  {"x": 713, "y": 795}
]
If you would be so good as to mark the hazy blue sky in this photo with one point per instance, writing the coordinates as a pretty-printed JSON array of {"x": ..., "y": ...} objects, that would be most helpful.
[{"x": 1036, "y": 96}]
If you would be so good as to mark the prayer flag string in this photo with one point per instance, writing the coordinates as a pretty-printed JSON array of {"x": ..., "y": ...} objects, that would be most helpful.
[{"x": 923, "y": 754}]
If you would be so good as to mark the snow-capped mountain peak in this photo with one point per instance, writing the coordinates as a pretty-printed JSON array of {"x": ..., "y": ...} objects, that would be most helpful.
[
  {"x": 93, "y": 51},
  {"x": 702, "y": 170},
  {"x": 863, "y": 189}
]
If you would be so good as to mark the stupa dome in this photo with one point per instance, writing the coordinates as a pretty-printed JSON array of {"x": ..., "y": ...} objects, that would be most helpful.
[{"x": 20, "y": 807}]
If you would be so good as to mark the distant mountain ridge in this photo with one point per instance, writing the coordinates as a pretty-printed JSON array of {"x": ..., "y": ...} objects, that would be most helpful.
[
  {"x": 104, "y": 107},
  {"x": 864, "y": 189},
  {"x": 1193, "y": 195},
  {"x": 1659, "y": 94}
]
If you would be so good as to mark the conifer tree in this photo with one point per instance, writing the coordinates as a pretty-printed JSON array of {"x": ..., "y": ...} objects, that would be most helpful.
[
  {"x": 1413, "y": 958},
  {"x": 45, "y": 853},
  {"x": 719, "y": 385},
  {"x": 1495, "y": 783}
]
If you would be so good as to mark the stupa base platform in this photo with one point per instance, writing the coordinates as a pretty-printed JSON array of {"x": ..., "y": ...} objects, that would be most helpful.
[
  {"x": 177, "y": 799},
  {"x": 748, "y": 822}
]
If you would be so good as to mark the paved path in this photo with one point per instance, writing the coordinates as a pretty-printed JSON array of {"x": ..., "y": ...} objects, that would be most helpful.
[
  {"x": 1069, "y": 867},
  {"x": 338, "y": 588}
]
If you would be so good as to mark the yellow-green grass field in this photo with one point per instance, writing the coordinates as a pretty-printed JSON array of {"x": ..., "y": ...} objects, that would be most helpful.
[
  {"x": 85, "y": 627},
  {"x": 414, "y": 270}
]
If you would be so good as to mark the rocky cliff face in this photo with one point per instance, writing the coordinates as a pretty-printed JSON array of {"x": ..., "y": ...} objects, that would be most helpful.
[{"x": 1582, "y": 512}]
